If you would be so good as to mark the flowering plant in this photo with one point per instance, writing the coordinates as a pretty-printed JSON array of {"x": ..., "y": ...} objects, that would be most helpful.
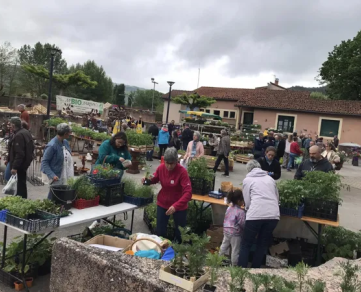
[
  {"x": 356, "y": 153},
  {"x": 105, "y": 171},
  {"x": 343, "y": 156}
]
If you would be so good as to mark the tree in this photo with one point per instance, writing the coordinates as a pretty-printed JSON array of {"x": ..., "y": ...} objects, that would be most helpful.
[
  {"x": 39, "y": 55},
  {"x": 131, "y": 98},
  {"x": 194, "y": 100},
  {"x": 342, "y": 70},
  {"x": 318, "y": 95},
  {"x": 62, "y": 81},
  {"x": 8, "y": 67},
  {"x": 103, "y": 92},
  {"x": 144, "y": 98},
  {"x": 119, "y": 94}
]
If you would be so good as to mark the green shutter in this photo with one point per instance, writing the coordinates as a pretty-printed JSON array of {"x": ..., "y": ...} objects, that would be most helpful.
[{"x": 329, "y": 128}]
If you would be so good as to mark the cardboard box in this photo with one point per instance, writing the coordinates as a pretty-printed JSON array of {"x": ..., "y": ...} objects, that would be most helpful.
[
  {"x": 166, "y": 276},
  {"x": 110, "y": 241},
  {"x": 216, "y": 234}
]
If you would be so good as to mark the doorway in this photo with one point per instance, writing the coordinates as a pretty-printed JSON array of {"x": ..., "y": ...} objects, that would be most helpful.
[{"x": 248, "y": 118}]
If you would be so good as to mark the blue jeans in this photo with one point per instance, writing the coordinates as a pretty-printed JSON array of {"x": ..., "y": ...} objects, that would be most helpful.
[
  {"x": 180, "y": 219},
  {"x": 262, "y": 230},
  {"x": 8, "y": 172},
  {"x": 292, "y": 160}
]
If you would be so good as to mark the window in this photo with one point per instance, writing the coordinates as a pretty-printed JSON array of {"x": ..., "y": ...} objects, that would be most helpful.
[
  {"x": 248, "y": 118},
  {"x": 232, "y": 115},
  {"x": 208, "y": 111},
  {"x": 201, "y": 110},
  {"x": 216, "y": 112},
  {"x": 329, "y": 128},
  {"x": 285, "y": 123},
  {"x": 225, "y": 114}
]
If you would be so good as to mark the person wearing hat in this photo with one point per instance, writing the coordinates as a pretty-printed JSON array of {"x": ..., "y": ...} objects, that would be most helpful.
[
  {"x": 21, "y": 154},
  {"x": 163, "y": 140}
]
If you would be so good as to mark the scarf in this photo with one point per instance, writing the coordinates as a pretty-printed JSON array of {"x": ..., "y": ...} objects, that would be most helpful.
[{"x": 194, "y": 149}]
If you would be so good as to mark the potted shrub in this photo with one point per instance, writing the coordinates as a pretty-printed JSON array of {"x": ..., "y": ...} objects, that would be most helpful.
[
  {"x": 137, "y": 194},
  {"x": 291, "y": 194},
  {"x": 201, "y": 177},
  {"x": 104, "y": 175},
  {"x": 214, "y": 262},
  {"x": 238, "y": 279}
]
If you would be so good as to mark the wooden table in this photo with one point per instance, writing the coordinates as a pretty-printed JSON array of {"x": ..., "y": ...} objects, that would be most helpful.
[{"x": 306, "y": 220}]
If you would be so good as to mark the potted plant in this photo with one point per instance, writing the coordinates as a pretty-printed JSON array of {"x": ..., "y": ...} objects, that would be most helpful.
[
  {"x": 147, "y": 179},
  {"x": 291, "y": 194},
  {"x": 136, "y": 194},
  {"x": 214, "y": 262},
  {"x": 301, "y": 269},
  {"x": 355, "y": 157},
  {"x": 256, "y": 281},
  {"x": 343, "y": 158},
  {"x": 85, "y": 191},
  {"x": 201, "y": 177},
  {"x": 238, "y": 279}
]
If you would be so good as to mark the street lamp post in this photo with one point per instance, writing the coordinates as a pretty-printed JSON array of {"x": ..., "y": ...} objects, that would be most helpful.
[
  {"x": 170, "y": 92},
  {"x": 153, "y": 91},
  {"x": 53, "y": 52}
]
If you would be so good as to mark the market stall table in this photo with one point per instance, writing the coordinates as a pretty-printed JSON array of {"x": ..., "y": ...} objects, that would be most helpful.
[
  {"x": 77, "y": 217},
  {"x": 75, "y": 142},
  {"x": 306, "y": 220}
]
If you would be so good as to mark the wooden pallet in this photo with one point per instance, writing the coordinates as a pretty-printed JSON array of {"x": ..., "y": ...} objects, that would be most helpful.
[{"x": 242, "y": 159}]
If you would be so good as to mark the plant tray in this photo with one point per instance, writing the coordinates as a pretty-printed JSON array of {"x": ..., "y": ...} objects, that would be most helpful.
[
  {"x": 82, "y": 204},
  {"x": 3, "y": 214},
  {"x": 293, "y": 212},
  {"x": 200, "y": 186},
  {"x": 102, "y": 182},
  {"x": 6, "y": 279},
  {"x": 138, "y": 201},
  {"x": 166, "y": 276},
  {"x": 321, "y": 209},
  {"x": 114, "y": 195},
  {"x": 41, "y": 220}
]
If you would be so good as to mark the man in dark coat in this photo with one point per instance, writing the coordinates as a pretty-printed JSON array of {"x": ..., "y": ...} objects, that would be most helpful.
[
  {"x": 187, "y": 136},
  {"x": 281, "y": 146},
  {"x": 336, "y": 141},
  {"x": 21, "y": 154},
  {"x": 315, "y": 162},
  {"x": 258, "y": 146}
]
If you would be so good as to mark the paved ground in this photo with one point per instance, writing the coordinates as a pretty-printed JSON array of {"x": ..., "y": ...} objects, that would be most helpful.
[{"x": 349, "y": 213}]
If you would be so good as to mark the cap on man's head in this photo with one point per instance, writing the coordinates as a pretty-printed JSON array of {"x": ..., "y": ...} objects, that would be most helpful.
[{"x": 16, "y": 121}]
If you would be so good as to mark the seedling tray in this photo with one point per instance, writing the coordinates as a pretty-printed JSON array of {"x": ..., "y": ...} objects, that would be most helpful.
[
  {"x": 138, "y": 201},
  {"x": 114, "y": 195},
  {"x": 293, "y": 212},
  {"x": 321, "y": 209},
  {"x": 41, "y": 220}
]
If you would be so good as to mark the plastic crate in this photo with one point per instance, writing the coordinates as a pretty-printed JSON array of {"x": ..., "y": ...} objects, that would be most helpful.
[
  {"x": 41, "y": 220},
  {"x": 293, "y": 212},
  {"x": 6, "y": 279},
  {"x": 215, "y": 195},
  {"x": 82, "y": 204},
  {"x": 102, "y": 182},
  {"x": 138, "y": 201},
  {"x": 3, "y": 214},
  {"x": 112, "y": 195},
  {"x": 200, "y": 186},
  {"x": 321, "y": 209}
]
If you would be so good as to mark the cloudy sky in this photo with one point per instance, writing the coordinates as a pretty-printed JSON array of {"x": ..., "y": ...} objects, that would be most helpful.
[{"x": 236, "y": 43}]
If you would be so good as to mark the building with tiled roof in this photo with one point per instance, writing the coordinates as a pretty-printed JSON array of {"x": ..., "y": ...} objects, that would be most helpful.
[{"x": 285, "y": 110}]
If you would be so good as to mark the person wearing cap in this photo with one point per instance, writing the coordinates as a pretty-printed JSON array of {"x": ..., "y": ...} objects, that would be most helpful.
[
  {"x": 21, "y": 154},
  {"x": 163, "y": 140},
  {"x": 24, "y": 115}
]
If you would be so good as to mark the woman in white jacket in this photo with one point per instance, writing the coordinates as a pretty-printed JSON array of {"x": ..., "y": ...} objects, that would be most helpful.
[
  {"x": 331, "y": 155},
  {"x": 261, "y": 201}
]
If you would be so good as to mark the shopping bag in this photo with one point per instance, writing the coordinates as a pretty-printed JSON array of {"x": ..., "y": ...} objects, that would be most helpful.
[{"x": 11, "y": 186}]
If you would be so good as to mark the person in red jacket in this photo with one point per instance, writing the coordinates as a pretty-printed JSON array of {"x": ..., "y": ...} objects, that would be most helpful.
[
  {"x": 295, "y": 152},
  {"x": 175, "y": 194}
]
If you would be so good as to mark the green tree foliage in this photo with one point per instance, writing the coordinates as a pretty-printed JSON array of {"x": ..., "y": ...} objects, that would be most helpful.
[
  {"x": 131, "y": 97},
  {"x": 103, "y": 92},
  {"x": 39, "y": 55},
  {"x": 194, "y": 100},
  {"x": 318, "y": 95},
  {"x": 119, "y": 94},
  {"x": 342, "y": 70},
  {"x": 8, "y": 67},
  {"x": 143, "y": 99},
  {"x": 62, "y": 81}
]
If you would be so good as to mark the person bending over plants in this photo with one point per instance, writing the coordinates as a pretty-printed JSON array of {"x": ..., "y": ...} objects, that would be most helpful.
[
  {"x": 115, "y": 152},
  {"x": 233, "y": 226},
  {"x": 175, "y": 194}
]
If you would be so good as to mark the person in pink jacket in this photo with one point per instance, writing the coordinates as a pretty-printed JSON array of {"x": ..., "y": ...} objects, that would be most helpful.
[{"x": 195, "y": 148}]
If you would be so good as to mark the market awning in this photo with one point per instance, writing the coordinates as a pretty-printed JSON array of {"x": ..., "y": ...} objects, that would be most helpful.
[{"x": 201, "y": 114}]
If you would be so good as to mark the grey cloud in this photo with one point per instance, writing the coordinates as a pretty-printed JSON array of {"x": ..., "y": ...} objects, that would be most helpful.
[{"x": 291, "y": 38}]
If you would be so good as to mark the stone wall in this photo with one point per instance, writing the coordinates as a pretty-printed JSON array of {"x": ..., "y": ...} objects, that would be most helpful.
[{"x": 77, "y": 267}]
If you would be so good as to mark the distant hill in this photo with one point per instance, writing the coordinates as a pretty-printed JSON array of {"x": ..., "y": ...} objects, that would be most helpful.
[
  {"x": 129, "y": 88},
  {"x": 310, "y": 89}
]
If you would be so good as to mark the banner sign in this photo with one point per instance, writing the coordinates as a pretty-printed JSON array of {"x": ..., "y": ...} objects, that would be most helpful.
[{"x": 79, "y": 106}]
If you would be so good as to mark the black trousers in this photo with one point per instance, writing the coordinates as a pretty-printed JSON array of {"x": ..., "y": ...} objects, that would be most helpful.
[
  {"x": 180, "y": 219},
  {"x": 22, "y": 190},
  {"x": 161, "y": 148},
  {"x": 218, "y": 161}
]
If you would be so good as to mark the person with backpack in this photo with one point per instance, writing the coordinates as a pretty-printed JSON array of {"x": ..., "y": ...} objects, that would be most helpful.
[
  {"x": 21, "y": 154},
  {"x": 270, "y": 164},
  {"x": 187, "y": 136}
]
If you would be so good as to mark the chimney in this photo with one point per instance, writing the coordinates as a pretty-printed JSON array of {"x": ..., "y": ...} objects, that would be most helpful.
[{"x": 276, "y": 81}]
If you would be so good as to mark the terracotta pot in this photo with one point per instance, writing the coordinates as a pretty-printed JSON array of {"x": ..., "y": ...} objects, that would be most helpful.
[
  {"x": 29, "y": 282},
  {"x": 18, "y": 286}
]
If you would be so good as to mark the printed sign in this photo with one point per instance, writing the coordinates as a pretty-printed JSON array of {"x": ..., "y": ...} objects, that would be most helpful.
[{"x": 79, "y": 106}]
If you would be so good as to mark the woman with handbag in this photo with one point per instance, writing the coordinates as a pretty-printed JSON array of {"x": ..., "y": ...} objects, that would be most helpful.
[
  {"x": 57, "y": 163},
  {"x": 115, "y": 152}
]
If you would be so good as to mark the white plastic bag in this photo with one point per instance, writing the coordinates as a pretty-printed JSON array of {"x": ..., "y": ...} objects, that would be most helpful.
[{"x": 12, "y": 186}]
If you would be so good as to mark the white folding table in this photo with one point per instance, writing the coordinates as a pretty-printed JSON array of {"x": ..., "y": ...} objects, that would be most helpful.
[{"x": 77, "y": 217}]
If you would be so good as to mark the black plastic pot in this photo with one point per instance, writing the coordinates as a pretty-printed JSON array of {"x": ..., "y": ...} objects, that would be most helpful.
[
  {"x": 180, "y": 272},
  {"x": 209, "y": 288},
  {"x": 146, "y": 182},
  {"x": 172, "y": 269},
  {"x": 62, "y": 195}
]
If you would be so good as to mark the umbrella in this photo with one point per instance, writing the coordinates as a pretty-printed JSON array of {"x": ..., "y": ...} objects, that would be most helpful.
[
  {"x": 201, "y": 114},
  {"x": 354, "y": 145}
]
